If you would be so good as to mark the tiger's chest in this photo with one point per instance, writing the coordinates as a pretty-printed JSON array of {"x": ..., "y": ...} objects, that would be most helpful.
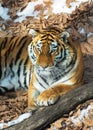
[{"x": 61, "y": 74}]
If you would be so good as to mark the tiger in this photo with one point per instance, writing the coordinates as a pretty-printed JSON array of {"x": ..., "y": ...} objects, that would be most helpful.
[
  {"x": 47, "y": 64},
  {"x": 57, "y": 66}
]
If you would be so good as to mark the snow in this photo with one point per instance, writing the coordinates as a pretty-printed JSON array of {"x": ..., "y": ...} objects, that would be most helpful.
[
  {"x": 82, "y": 31},
  {"x": 28, "y": 11},
  {"x": 83, "y": 114},
  {"x": 16, "y": 121},
  {"x": 58, "y": 6},
  {"x": 4, "y": 13},
  {"x": 89, "y": 34},
  {"x": 32, "y": 32}
]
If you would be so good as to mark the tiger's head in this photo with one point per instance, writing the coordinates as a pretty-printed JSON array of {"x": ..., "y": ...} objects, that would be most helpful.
[{"x": 49, "y": 49}]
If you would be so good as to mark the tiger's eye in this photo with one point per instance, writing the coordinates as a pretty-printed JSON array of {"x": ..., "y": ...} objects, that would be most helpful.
[{"x": 53, "y": 46}]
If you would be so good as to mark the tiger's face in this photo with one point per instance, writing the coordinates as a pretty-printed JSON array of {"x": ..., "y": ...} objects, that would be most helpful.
[{"x": 48, "y": 50}]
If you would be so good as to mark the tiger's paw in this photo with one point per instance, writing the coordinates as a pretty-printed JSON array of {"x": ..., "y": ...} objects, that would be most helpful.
[{"x": 47, "y": 98}]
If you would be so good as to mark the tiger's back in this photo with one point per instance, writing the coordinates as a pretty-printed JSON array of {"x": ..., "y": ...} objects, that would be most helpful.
[{"x": 15, "y": 66}]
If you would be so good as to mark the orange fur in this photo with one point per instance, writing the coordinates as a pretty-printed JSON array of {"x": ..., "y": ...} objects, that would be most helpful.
[
  {"x": 11, "y": 45},
  {"x": 44, "y": 59}
]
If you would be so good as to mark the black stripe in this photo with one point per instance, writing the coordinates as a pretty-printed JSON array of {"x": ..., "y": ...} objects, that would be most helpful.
[
  {"x": 68, "y": 79},
  {"x": 3, "y": 44},
  {"x": 11, "y": 68},
  {"x": 45, "y": 36},
  {"x": 18, "y": 73},
  {"x": 4, "y": 89},
  {"x": 73, "y": 61},
  {"x": 52, "y": 40},
  {"x": 21, "y": 48},
  {"x": 45, "y": 80},
  {"x": 6, "y": 58},
  {"x": 40, "y": 83},
  {"x": 11, "y": 47},
  {"x": 63, "y": 49},
  {"x": 19, "y": 67},
  {"x": 7, "y": 52},
  {"x": 30, "y": 72},
  {"x": 19, "y": 83},
  {"x": 50, "y": 35},
  {"x": 24, "y": 71}
]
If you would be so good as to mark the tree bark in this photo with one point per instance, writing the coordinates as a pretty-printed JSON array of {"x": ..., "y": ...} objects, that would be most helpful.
[{"x": 46, "y": 115}]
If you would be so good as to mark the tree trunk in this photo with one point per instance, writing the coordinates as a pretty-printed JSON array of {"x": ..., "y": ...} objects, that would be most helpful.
[{"x": 46, "y": 115}]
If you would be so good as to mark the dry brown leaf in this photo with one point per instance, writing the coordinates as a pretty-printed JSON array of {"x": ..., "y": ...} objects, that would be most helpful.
[
  {"x": 90, "y": 40},
  {"x": 48, "y": 2},
  {"x": 68, "y": 2},
  {"x": 86, "y": 48},
  {"x": 90, "y": 19},
  {"x": 38, "y": 7},
  {"x": 3, "y": 108},
  {"x": 88, "y": 122},
  {"x": 76, "y": 114}
]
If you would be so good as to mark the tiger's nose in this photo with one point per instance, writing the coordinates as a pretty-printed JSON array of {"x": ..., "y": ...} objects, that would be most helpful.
[
  {"x": 44, "y": 61},
  {"x": 43, "y": 66}
]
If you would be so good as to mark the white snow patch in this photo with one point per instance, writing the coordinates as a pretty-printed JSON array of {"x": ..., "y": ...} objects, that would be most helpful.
[
  {"x": 82, "y": 31},
  {"x": 89, "y": 34},
  {"x": 83, "y": 114},
  {"x": 4, "y": 12},
  {"x": 59, "y": 6},
  {"x": 32, "y": 32},
  {"x": 28, "y": 11},
  {"x": 16, "y": 121}
]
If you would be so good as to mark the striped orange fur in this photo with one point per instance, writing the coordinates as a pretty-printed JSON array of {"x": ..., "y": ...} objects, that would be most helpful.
[
  {"x": 48, "y": 65},
  {"x": 58, "y": 66}
]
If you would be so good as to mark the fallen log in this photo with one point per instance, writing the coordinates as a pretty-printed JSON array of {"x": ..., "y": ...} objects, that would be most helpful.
[{"x": 46, "y": 115}]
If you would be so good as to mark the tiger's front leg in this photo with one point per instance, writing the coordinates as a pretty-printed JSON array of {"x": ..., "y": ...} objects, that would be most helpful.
[
  {"x": 47, "y": 97},
  {"x": 50, "y": 96},
  {"x": 32, "y": 97},
  {"x": 33, "y": 93}
]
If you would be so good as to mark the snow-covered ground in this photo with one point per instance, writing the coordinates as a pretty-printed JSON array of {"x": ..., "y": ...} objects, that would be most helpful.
[
  {"x": 83, "y": 114},
  {"x": 58, "y": 6},
  {"x": 16, "y": 121},
  {"x": 4, "y": 12}
]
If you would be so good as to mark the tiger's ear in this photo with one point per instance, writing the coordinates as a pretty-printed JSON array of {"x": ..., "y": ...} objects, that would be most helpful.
[
  {"x": 33, "y": 33},
  {"x": 64, "y": 36}
]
